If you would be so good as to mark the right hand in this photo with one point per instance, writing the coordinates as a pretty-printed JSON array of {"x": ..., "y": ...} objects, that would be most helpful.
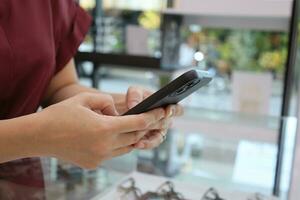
[{"x": 75, "y": 132}]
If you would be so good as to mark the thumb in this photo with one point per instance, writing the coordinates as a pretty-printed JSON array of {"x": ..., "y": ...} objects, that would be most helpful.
[{"x": 100, "y": 102}]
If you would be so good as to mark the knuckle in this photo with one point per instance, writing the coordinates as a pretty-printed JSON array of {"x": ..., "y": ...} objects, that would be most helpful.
[
  {"x": 143, "y": 123},
  {"x": 84, "y": 95},
  {"x": 136, "y": 137},
  {"x": 109, "y": 101},
  {"x": 108, "y": 97},
  {"x": 134, "y": 87},
  {"x": 163, "y": 112},
  {"x": 163, "y": 124},
  {"x": 160, "y": 113}
]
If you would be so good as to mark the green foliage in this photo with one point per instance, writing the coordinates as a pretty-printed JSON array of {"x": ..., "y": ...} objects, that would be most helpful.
[
  {"x": 150, "y": 20},
  {"x": 248, "y": 50}
]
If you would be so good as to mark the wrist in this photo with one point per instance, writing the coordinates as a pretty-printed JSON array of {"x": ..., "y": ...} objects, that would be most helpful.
[
  {"x": 41, "y": 134},
  {"x": 19, "y": 137}
]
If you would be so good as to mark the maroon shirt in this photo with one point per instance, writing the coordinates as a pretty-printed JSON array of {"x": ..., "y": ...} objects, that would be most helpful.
[{"x": 37, "y": 39}]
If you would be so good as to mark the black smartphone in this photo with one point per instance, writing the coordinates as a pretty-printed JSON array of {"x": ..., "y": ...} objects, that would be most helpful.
[{"x": 173, "y": 92}]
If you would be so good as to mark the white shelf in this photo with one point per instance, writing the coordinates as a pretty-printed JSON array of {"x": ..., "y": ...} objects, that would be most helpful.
[
  {"x": 237, "y": 8},
  {"x": 254, "y": 14},
  {"x": 134, "y": 5}
]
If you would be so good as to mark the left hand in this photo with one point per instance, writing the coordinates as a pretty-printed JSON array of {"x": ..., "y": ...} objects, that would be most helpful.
[{"x": 155, "y": 137}]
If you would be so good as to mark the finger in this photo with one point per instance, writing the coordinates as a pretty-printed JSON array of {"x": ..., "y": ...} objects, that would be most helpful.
[
  {"x": 98, "y": 111},
  {"x": 162, "y": 124},
  {"x": 132, "y": 123},
  {"x": 121, "y": 151},
  {"x": 174, "y": 110},
  {"x": 154, "y": 140},
  {"x": 179, "y": 110},
  {"x": 134, "y": 96},
  {"x": 102, "y": 102},
  {"x": 147, "y": 93},
  {"x": 127, "y": 139}
]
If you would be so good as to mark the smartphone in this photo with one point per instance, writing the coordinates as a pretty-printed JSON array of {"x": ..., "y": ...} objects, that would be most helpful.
[{"x": 173, "y": 92}]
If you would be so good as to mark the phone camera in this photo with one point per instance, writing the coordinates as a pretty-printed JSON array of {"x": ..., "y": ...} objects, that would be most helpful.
[
  {"x": 181, "y": 90},
  {"x": 193, "y": 83},
  {"x": 185, "y": 87}
]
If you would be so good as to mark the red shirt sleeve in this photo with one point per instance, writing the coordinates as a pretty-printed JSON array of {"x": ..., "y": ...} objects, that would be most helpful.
[{"x": 71, "y": 23}]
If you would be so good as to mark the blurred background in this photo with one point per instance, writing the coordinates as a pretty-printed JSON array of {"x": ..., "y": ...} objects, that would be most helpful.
[{"x": 236, "y": 134}]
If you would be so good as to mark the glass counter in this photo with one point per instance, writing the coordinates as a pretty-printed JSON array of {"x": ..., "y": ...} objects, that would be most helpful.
[{"x": 204, "y": 149}]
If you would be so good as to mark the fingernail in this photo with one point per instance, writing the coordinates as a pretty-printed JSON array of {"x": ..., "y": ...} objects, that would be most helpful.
[{"x": 172, "y": 111}]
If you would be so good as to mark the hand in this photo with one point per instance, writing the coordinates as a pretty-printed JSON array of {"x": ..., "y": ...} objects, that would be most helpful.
[
  {"x": 75, "y": 132},
  {"x": 155, "y": 137}
]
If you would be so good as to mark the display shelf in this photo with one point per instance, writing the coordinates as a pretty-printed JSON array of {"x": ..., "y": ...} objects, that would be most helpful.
[
  {"x": 146, "y": 182},
  {"x": 119, "y": 59}
]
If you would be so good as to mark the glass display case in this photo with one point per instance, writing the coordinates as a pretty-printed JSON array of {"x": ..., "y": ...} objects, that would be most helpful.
[
  {"x": 228, "y": 162},
  {"x": 229, "y": 136}
]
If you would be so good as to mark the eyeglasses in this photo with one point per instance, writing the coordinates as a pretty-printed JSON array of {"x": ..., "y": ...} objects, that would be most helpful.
[
  {"x": 257, "y": 196},
  {"x": 166, "y": 191},
  {"x": 129, "y": 191},
  {"x": 211, "y": 194}
]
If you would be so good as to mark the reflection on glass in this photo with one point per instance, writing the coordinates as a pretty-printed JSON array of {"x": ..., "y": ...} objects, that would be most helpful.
[
  {"x": 156, "y": 5},
  {"x": 89, "y": 6},
  {"x": 231, "y": 55},
  {"x": 129, "y": 32}
]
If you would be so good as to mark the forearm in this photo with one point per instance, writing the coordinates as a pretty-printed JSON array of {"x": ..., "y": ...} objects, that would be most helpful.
[
  {"x": 69, "y": 91},
  {"x": 65, "y": 84},
  {"x": 19, "y": 137}
]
